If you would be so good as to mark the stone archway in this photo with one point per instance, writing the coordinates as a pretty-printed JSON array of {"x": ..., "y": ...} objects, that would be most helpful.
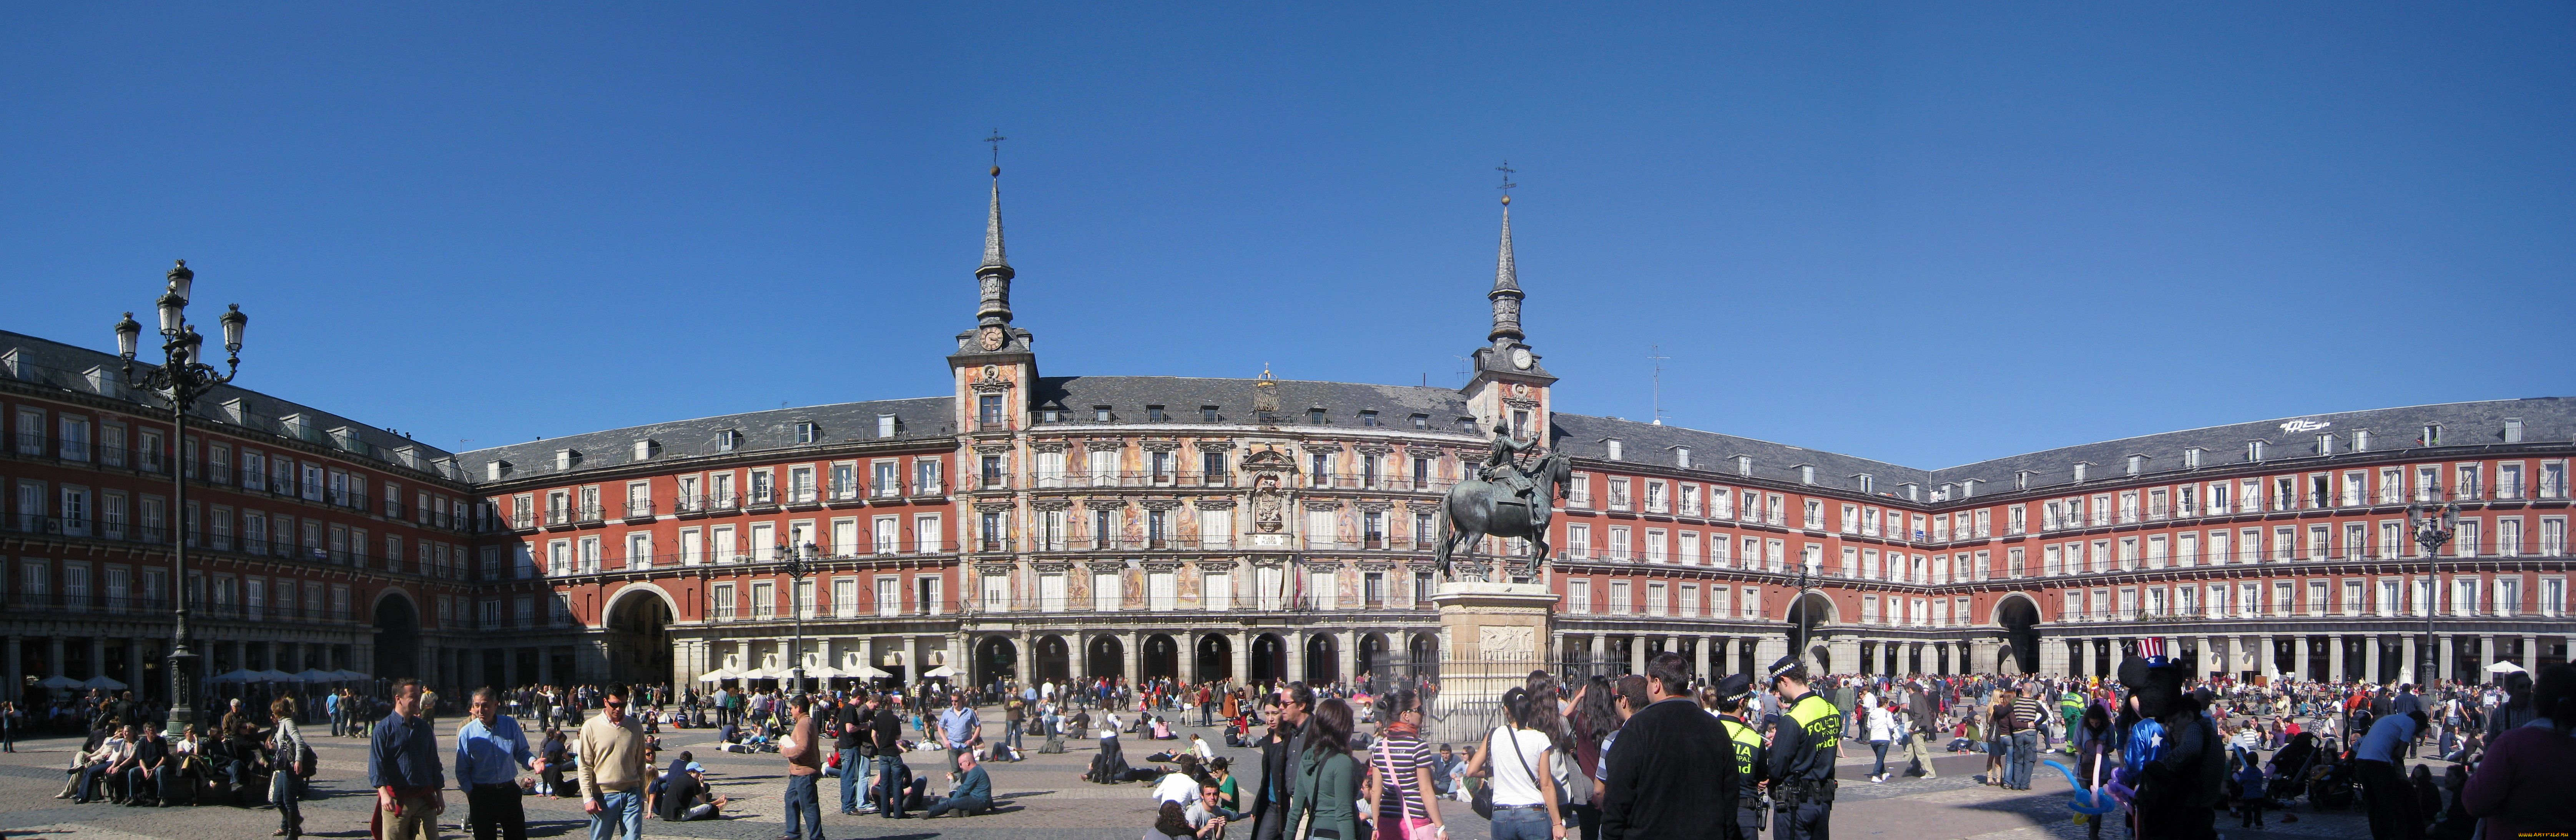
[
  {"x": 637, "y": 622},
  {"x": 1323, "y": 659},
  {"x": 1373, "y": 659},
  {"x": 1808, "y": 616},
  {"x": 1104, "y": 656},
  {"x": 1158, "y": 656},
  {"x": 997, "y": 658},
  {"x": 397, "y": 622},
  {"x": 1053, "y": 660},
  {"x": 2019, "y": 617},
  {"x": 1215, "y": 657},
  {"x": 1269, "y": 658}
]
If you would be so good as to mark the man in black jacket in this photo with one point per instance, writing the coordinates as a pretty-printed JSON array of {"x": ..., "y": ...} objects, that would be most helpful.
[
  {"x": 1278, "y": 753},
  {"x": 885, "y": 727},
  {"x": 1672, "y": 771}
]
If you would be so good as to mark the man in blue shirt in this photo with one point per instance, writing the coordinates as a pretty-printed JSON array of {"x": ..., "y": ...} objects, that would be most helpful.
[
  {"x": 491, "y": 749},
  {"x": 402, "y": 765},
  {"x": 971, "y": 793},
  {"x": 959, "y": 729},
  {"x": 2391, "y": 817}
]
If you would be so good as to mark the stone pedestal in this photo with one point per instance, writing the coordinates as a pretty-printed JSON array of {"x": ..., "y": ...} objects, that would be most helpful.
[{"x": 1507, "y": 622}]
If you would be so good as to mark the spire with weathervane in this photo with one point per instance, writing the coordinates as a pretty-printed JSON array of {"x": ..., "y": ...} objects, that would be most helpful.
[
  {"x": 1507, "y": 283},
  {"x": 995, "y": 274},
  {"x": 993, "y": 367},
  {"x": 1509, "y": 386}
]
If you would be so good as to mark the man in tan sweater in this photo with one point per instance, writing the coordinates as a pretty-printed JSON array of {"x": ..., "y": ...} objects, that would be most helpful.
[
  {"x": 804, "y": 770},
  {"x": 613, "y": 769}
]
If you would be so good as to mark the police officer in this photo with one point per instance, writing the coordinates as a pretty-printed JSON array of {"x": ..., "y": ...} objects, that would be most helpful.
[
  {"x": 1803, "y": 750},
  {"x": 1752, "y": 759}
]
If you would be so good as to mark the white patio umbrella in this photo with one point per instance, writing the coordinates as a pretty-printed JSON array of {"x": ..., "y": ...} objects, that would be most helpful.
[
  {"x": 718, "y": 676},
  {"x": 941, "y": 671},
  {"x": 2504, "y": 668}
]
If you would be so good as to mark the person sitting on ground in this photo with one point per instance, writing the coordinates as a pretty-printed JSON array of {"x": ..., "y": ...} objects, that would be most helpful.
[
  {"x": 1200, "y": 746},
  {"x": 686, "y": 796},
  {"x": 1182, "y": 785},
  {"x": 1163, "y": 729},
  {"x": 970, "y": 790}
]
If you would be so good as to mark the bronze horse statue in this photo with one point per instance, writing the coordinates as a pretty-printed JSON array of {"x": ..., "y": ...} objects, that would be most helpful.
[{"x": 1477, "y": 507}]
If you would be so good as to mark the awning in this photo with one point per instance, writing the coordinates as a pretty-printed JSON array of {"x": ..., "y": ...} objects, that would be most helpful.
[
  {"x": 278, "y": 677},
  {"x": 2503, "y": 668},
  {"x": 59, "y": 682},
  {"x": 718, "y": 676},
  {"x": 237, "y": 675},
  {"x": 874, "y": 673},
  {"x": 104, "y": 681},
  {"x": 316, "y": 675},
  {"x": 347, "y": 674},
  {"x": 941, "y": 671}
]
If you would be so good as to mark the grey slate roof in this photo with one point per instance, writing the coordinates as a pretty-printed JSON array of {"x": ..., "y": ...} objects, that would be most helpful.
[
  {"x": 30, "y": 359},
  {"x": 1181, "y": 398},
  {"x": 2464, "y": 424},
  {"x": 1646, "y": 443},
  {"x": 922, "y": 418}
]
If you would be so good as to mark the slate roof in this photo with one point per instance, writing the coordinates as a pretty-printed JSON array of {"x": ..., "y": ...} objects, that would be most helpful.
[
  {"x": 1646, "y": 443},
  {"x": 922, "y": 418},
  {"x": 1182, "y": 397},
  {"x": 2464, "y": 424},
  {"x": 40, "y": 361}
]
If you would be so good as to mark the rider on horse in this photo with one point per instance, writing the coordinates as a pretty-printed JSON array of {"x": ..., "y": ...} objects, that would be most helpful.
[{"x": 1503, "y": 468}]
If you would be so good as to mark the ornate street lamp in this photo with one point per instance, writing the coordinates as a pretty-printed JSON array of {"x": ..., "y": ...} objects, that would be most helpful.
[
  {"x": 798, "y": 562},
  {"x": 2434, "y": 528},
  {"x": 180, "y": 380}
]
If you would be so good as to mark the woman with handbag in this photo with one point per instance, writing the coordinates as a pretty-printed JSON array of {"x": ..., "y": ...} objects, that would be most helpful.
[
  {"x": 1399, "y": 777},
  {"x": 1324, "y": 802},
  {"x": 286, "y": 783},
  {"x": 1516, "y": 797}
]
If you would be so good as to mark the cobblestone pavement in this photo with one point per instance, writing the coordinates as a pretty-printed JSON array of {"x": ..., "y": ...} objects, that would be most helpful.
[{"x": 1044, "y": 792}]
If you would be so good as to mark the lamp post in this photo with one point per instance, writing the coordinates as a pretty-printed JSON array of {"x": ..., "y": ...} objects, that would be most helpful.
[
  {"x": 180, "y": 380},
  {"x": 1798, "y": 628},
  {"x": 799, "y": 563},
  {"x": 2434, "y": 528}
]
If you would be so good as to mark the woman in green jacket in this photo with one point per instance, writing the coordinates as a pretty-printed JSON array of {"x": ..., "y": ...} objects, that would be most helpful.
[{"x": 1325, "y": 795}]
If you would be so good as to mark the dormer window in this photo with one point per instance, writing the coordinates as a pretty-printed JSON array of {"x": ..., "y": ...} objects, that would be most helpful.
[
  {"x": 2021, "y": 479},
  {"x": 1314, "y": 417},
  {"x": 885, "y": 425},
  {"x": 2137, "y": 464},
  {"x": 1422, "y": 421},
  {"x": 2191, "y": 458},
  {"x": 2432, "y": 435},
  {"x": 2253, "y": 450},
  {"x": 1806, "y": 474},
  {"x": 1613, "y": 444},
  {"x": 495, "y": 470},
  {"x": 1050, "y": 415},
  {"x": 2079, "y": 471},
  {"x": 2513, "y": 430},
  {"x": 728, "y": 440},
  {"x": 1866, "y": 482},
  {"x": 2325, "y": 444},
  {"x": 1744, "y": 465},
  {"x": 1368, "y": 418},
  {"x": 1467, "y": 424},
  {"x": 1207, "y": 414},
  {"x": 808, "y": 432},
  {"x": 645, "y": 449},
  {"x": 566, "y": 459},
  {"x": 1100, "y": 414},
  {"x": 1153, "y": 414},
  {"x": 2361, "y": 440},
  {"x": 1681, "y": 457}
]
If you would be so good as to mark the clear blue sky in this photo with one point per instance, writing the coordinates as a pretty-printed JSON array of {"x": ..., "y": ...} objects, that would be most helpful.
[{"x": 1927, "y": 233}]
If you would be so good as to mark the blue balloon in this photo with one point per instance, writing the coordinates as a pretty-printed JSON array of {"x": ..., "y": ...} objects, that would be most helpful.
[{"x": 2097, "y": 801}]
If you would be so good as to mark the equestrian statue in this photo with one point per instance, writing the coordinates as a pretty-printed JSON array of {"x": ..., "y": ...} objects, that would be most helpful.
[{"x": 1505, "y": 501}]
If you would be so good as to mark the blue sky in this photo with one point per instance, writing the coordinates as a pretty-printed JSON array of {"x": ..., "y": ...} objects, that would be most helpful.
[{"x": 1927, "y": 233}]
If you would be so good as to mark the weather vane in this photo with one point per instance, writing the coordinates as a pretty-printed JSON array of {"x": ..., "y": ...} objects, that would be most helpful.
[
  {"x": 996, "y": 140},
  {"x": 1507, "y": 186}
]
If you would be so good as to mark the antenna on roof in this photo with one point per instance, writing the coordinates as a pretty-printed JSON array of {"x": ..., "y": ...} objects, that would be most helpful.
[{"x": 1654, "y": 352}]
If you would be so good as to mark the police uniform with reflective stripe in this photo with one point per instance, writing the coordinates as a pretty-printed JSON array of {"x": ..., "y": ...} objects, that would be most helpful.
[
  {"x": 1802, "y": 767},
  {"x": 1752, "y": 765}
]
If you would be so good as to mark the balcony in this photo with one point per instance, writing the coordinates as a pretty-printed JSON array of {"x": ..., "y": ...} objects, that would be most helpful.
[{"x": 639, "y": 510}]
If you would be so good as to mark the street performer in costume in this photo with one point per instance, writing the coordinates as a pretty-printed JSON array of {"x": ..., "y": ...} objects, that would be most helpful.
[
  {"x": 2177, "y": 779},
  {"x": 1803, "y": 750}
]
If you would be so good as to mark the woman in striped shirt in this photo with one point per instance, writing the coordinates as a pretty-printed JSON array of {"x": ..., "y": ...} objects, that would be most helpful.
[{"x": 1399, "y": 777}]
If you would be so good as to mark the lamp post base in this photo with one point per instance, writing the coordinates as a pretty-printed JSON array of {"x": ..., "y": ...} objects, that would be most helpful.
[{"x": 183, "y": 689}]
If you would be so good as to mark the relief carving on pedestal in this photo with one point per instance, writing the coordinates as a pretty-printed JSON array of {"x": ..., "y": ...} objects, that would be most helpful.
[{"x": 1506, "y": 641}]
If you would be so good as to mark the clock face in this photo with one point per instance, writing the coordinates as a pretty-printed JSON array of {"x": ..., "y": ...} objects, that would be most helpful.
[
  {"x": 1521, "y": 358},
  {"x": 993, "y": 338}
]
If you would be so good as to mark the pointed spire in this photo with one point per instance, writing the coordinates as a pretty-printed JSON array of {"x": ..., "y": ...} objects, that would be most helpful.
[
  {"x": 994, "y": 276},
  {"x": 1507, "y": 287},
  {"x": 993, "y": 227}
]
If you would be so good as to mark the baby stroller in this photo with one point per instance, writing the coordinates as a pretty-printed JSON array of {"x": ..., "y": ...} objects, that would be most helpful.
[
  {"x": 2330, "y": 780},
  {"x": 2291, "y": 767}
]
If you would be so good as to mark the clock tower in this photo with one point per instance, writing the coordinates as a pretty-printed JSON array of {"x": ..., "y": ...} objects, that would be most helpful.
[
  {"x": 1509, "y": 387},
  {"x": 993, "y": 368}
]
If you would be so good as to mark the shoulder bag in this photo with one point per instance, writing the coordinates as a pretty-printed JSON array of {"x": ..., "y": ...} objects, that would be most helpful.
[{"x": 1482, "y": 800}]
